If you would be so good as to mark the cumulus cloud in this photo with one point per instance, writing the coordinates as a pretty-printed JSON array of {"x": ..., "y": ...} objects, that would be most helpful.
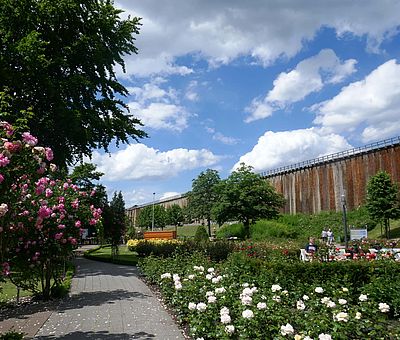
[
  {"x": 275, "y": 149},
  {"x": 371, "y": 105},
  {"x": 138, "y": 161},
  {"x": 221, "y": 31},
  {"x": 158, "y": 108},
  {"x": 310, "y": 75}
]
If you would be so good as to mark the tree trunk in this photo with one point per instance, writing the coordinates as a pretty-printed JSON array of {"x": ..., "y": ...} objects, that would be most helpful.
[
  {"x": 246, "y": 225},
  {"x": 47, "y": 280},
  {"x": 209, "y": 226}
]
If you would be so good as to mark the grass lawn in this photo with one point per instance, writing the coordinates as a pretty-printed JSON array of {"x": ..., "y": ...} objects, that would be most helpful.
[
  {"x": 184, "y": 231},
  {"x": 9, "y": 292},
  {"x": 104, "y": 254}
]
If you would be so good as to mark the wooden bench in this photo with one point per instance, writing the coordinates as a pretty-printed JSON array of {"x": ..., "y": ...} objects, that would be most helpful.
[{"x": 164, "y": 235}]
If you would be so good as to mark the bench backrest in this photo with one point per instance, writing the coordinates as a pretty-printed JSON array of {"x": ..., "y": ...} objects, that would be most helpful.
[{"x": 165, "y": 235}]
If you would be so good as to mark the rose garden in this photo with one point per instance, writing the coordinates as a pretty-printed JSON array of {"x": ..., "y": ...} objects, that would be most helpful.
[{"x": 233, "y": 269}]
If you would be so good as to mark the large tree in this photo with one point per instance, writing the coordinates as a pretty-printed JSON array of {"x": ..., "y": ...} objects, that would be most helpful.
[
  {"x": 57, "y": 60},
  {"x": 204, "y": 195},
  {"x": 114, "y": 221},
  {"x": 174, "y": 214},
  {"x": 246, "y": 197},
  {"x": 145, "y": 218},
  {"x": 383, "y": 200}
]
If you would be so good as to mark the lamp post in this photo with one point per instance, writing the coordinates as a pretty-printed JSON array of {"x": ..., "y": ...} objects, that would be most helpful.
[
  {"x": 343, "y": 201},
  {"x": 152, "y": 215}
]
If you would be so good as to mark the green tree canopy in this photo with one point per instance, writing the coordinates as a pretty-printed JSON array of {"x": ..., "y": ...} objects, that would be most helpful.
[
  {"x": 383, "y": 199},
  {"x": 204, "y": 195},
  {"x": 58, "y": 61},
  {"x": 145, "y": 217},
  {"x": 246, "y": 197},
  {"x": 174, "y": 214},
  {"x": 114, "y": 221}
]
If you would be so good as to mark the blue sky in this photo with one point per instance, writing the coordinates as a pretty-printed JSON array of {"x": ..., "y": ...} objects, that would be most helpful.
[{"x": 268, "y": 83}]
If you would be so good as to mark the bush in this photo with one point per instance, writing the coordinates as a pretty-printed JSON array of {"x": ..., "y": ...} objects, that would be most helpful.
[
  {"x": 232, "y": 230},
  {"x": 11, "y": 335},
  {"x": 201, "y": 234},
  {"x": 157, "y": 247}
]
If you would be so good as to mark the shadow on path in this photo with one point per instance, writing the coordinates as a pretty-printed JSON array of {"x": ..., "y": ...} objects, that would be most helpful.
[{"x": 99, "y": 336}]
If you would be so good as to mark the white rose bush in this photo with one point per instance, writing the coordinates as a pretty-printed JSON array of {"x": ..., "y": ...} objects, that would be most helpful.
[{"x": 250, "y": 303}]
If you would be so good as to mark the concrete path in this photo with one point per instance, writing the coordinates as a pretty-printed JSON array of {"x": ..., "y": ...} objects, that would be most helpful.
[{"x": 109, "y": 301}]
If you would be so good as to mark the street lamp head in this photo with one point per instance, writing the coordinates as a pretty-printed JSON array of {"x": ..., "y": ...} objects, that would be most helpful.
[{"x": 343, "y": 199}]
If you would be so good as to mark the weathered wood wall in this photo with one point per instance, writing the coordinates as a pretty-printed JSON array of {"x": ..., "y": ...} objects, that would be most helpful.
[{"x": 319, "y": 187}]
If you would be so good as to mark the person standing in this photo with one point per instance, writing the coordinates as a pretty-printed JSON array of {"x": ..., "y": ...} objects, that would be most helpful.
[
  {"x": 324, "y": 235},
  {"x": 330, "y": 236}
]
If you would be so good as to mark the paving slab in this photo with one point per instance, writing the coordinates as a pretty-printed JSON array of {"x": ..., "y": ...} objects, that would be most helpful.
[{"x": 109, "y": 301}]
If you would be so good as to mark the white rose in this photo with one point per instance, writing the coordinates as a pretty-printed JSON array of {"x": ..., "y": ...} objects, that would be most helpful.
[
  {"x": 384, "y": 307},
  {"x": 306, "y": 297},
  {"x": 344, "y": 289},
  {"x": 220, "y": 290},
  {"x": 201, "y": 307},
  {"x": 261, "y": 305},
  {"x": 212, "y": 299},
  {"x": 224, "y": 310},
  {"x": 342, "y": 301},
  {"x": 300, "y": 305},
  {"x": 331, "y": 304},
  {"x": 319, "y": 290},
  {"x": 363, "y": 297},
  {"x": 276, "y": 288},
  {"x": 225, "y": 318},
  {"x": 192, "y": 306},
  {"x": 191, "y": 277},
  {"x": 287, "y": 329},
  {"x": 166, "y": 276},
  {"x": 209, "y": 293},
  {"x": 210, "y": 270},
  {"x": 358, "y": 316},
  {"x": 247, "y": 314},
  {"x": 209, "y": 276},
  {"x": 323, "y": 336},
  {"x": 342, "y": 316},
  {"x": 230, "y": 329},
  {"x": 246, "y": 300}
]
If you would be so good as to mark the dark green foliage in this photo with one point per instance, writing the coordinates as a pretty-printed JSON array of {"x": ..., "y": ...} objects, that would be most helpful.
[
  {"x": 58, "y": 61},
  {"x": 201, "y": 234},
  {"x": 162, "y": 249},
  {"x": 204, "y": 196},
  {"x": 12, "y": 335},
  {"x": 174, "y": 215},
  {"x": 114, "y": 221},
  {"x": 86, "y": 177},
  {"x": 383, "y": 199},
  {"x": 246, "y": 197},
  {"x": 145, "y": 218}
]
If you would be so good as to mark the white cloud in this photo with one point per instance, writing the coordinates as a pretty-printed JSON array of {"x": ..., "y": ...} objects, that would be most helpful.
[
  {"x": 275, "y": 149},
  {"x": 169, "y": 194},
  {"x": 218, "y": 136},
  {"x": 191, "y": 93},
  {"x": 158, "y": 108},
  {"x": 221, "y": 31},
  {"x": 138, "y": 162},
  {"x": 310, "y": 75},
  {"x": 371, "y": 105}
]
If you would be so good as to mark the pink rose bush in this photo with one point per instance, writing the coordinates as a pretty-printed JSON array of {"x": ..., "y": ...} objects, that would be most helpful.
[{"x": 41, "y": 216}]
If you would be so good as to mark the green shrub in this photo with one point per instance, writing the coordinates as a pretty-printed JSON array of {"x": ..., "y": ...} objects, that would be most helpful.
[
  {"x": 12, "y": 335},
  {"x": 201, "y": 234},
  {"x": 232, "y": 230}
]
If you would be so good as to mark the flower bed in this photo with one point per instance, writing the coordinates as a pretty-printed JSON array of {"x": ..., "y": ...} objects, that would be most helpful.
[{"x": 251, "y": 298}]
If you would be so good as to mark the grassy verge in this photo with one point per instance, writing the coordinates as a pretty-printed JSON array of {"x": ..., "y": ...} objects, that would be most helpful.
[
  {"x": 104, "y": 254},
  {"x": 9, "y": 292}
]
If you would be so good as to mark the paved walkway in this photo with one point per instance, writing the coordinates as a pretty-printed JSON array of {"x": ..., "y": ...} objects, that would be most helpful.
[{"x": 107, "y": 301}]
